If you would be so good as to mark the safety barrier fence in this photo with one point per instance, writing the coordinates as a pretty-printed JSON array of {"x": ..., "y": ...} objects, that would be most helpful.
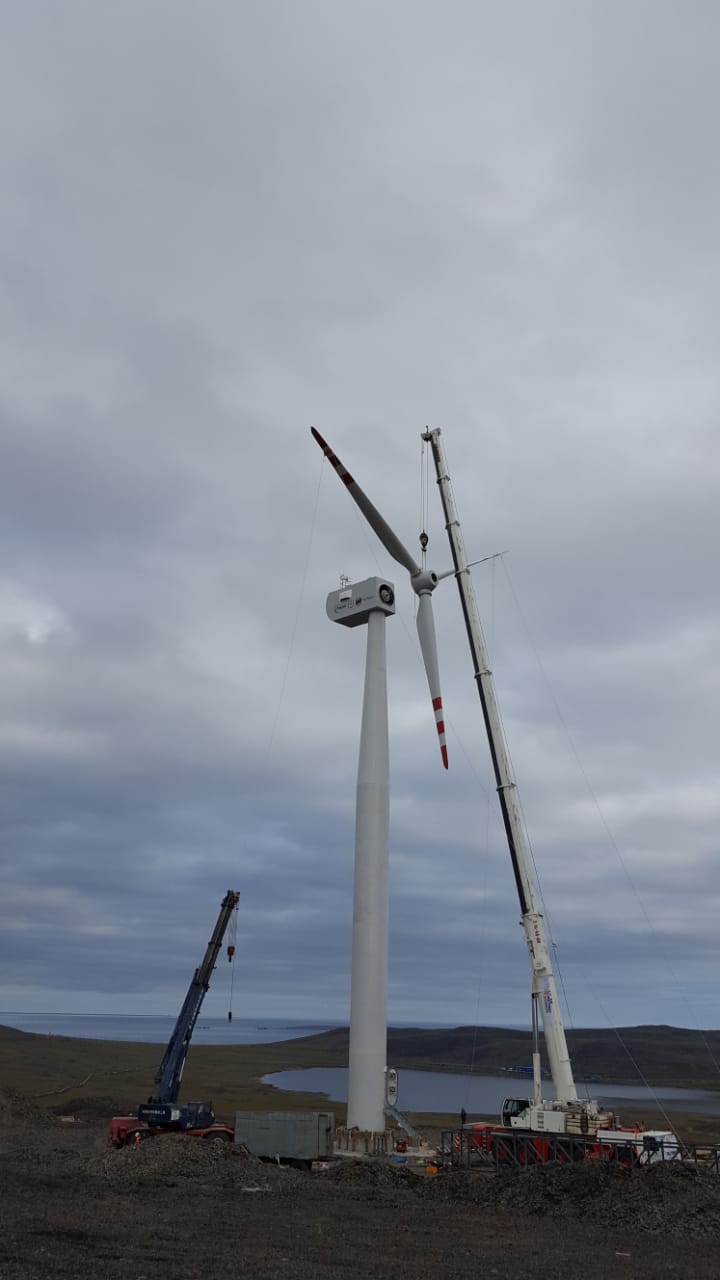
[{"x": 491, "y": 1149}]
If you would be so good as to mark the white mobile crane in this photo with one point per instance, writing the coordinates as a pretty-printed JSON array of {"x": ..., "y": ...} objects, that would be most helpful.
[{"x": 565, "y": 1113}]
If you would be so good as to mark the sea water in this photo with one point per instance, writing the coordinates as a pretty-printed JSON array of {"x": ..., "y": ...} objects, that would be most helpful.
[{"x": 157, "y": 1029}]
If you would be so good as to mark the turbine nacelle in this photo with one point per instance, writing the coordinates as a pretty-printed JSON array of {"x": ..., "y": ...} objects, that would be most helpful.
[{"x": 353, "y": 603}]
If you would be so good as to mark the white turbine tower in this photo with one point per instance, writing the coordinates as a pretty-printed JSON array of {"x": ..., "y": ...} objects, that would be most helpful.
[{"x": 371, "y": 602}]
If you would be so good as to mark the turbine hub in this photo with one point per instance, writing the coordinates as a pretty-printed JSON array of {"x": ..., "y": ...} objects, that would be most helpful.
[{"x": 424, "y": 582}]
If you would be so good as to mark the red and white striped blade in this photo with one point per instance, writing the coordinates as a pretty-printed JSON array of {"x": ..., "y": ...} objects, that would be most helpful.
[
  {"x": 426, "y": 635},
  {"x": 389, "y": 539}
]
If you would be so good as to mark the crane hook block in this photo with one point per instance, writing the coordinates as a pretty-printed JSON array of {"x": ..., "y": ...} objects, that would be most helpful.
[{"x": 231, "y": 952}]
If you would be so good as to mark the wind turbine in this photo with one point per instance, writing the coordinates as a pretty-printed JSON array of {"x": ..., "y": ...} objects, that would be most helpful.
[
  {"x": 423, "y": 582},
  {"x": 370, "y": 602}
]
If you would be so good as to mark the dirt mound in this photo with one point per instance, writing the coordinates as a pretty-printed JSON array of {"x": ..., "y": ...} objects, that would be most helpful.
[
  {"x": 35, "y": 1141},
  {"x": 365, "y": 1180},
  {"x": 675, "y": 1199},
  {"x": 89, "y": 1110},
  {"x": 172, "y": 1159},
  {"x": 16, "y": 1108},
  {"x": 365, "y": 1173}
]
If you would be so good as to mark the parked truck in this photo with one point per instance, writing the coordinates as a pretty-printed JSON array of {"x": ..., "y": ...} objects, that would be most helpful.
[{"x": 163, "y": 1113}]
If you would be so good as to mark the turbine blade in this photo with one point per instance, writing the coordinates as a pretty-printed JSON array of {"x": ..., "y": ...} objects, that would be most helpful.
[
  {"x": 390, "y": 540},
  {"x": 426, "y": 635}
]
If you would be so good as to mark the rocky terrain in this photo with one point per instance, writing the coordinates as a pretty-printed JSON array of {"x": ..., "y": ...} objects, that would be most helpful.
[{"x": 173, "y": 1208}]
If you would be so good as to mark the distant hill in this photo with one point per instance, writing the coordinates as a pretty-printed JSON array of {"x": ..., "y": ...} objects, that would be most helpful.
[
  {"x": 626, "y": 1055},
  {"x": 623, "y": 1055},
  {"x": 657, "y": 1054}
]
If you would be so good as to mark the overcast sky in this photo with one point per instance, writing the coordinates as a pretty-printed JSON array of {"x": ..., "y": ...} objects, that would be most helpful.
[{"x": 221, "y": 223}]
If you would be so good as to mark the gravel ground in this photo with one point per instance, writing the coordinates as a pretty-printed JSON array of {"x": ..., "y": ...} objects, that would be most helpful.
[{"x": 175, "y": 1208}]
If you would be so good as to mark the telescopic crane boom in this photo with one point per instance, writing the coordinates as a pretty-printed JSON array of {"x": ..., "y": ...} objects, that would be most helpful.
[
  {"x": 161, "y": 1107},
  {"x": 600, "y": 1133},
  {"x": 544, "y": 992}
]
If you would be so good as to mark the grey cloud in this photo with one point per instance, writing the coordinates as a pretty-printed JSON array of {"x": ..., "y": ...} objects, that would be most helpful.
[{"x": 221, "y": 227}]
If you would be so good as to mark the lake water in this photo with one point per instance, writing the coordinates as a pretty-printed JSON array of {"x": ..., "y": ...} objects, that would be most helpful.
[{"x": 483, "y": 1095}]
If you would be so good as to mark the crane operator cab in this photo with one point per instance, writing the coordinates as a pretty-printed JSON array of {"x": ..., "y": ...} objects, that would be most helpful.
[{"x": 515, "y": 1113}]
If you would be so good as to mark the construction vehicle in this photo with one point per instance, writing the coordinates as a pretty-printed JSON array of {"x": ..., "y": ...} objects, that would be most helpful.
[
  {"x": 565, "y": 1113},
  {"x": 162, "y": 1113},
  {"x": 500, "y": 1144}
]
